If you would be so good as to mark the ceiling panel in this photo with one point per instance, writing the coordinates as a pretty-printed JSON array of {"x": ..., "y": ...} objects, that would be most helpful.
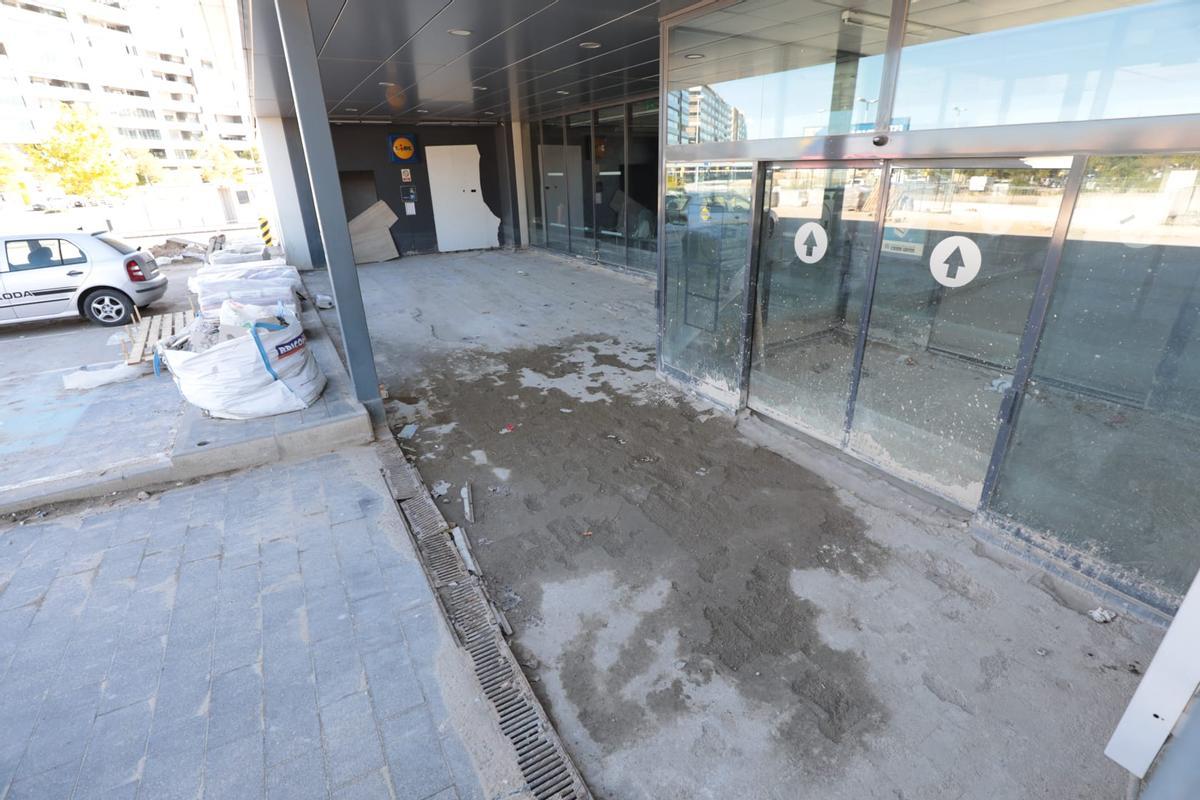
[
  {"x": 375, "y": 29},
  {"x": 387, "y": 58},
  {"x": 321, "y": 15}
]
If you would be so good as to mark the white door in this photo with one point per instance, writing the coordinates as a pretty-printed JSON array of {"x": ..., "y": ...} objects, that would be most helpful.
[{"x": 460, "y": 217}]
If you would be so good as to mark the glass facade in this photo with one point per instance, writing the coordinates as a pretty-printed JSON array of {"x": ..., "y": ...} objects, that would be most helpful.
[
  {"x": 1004, "y": 317},
  {"x": 1104, "y": 448},
  {"x": 762, "y": 69},
  {"x": 966, "y": 65},
  {"x": 706, "y": 236},
  {"x": 814, "y": 257},
  {"x": 598, "y": 192}
]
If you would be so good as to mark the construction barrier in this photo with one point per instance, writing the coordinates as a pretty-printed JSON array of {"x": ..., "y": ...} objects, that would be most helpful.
[{"x": 264, "y": 228}]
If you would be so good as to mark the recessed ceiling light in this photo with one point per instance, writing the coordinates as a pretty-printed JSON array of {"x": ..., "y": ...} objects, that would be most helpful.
[
  {"x": 490, "y": 113},
  {"x": 479, "y": 88},
  {"x": 386, "y": 83},
  {"x": 562, "y": 91},
  {"x": 459, "y": 32},
  {"x": 422, "y": 110},
  {"x": 694, "y": 56},
  {"x": 590, "y": 45},
  {"x": 350, "y": 109}
]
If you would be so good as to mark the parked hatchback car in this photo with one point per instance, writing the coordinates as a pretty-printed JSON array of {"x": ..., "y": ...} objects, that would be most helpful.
[{"x": 95, "y": 275}]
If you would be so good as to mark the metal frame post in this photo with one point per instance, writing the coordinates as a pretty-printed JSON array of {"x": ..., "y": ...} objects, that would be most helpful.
[
  {"x": 300, "y": 54},
  {"x": 1034, "y": 325},
  {"x": 864, "y": 319}
]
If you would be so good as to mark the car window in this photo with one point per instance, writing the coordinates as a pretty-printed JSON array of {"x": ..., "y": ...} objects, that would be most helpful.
[
  {"x": 70, "y": 253},
  {"x": 32, "y": 254}
]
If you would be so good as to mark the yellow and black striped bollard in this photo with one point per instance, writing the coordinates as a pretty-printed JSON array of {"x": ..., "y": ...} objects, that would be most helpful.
[{"x": 264, "y": 228}]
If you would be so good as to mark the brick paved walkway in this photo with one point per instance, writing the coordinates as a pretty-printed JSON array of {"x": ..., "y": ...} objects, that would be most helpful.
[{"x": 266, "y": 634}]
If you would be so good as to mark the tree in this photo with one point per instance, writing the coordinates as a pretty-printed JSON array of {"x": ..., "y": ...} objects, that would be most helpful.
[
  {"x": 80, "y": 156},
  {"x": 147, "y": 168},
  {"x": 10, "y": 167},
  {"x": 221, "y": 165}
]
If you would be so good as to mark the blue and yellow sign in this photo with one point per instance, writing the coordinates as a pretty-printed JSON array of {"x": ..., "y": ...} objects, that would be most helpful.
[{"x": 403, "y": 148}]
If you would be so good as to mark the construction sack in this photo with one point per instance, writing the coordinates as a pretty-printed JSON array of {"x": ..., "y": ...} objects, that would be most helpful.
[{"x": 270, "y": 371}]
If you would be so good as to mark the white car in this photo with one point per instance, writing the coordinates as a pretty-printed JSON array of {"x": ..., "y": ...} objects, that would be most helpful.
[{"x": 96, "y": 275}]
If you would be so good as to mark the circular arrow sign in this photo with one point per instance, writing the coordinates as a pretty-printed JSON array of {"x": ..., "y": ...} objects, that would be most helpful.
[
  {"x": 955, "y": 261},
  {"x": 811, "y": 242}
]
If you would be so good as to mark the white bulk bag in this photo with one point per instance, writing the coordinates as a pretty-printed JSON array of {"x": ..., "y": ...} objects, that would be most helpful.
[{"x": 271, "y": 371}]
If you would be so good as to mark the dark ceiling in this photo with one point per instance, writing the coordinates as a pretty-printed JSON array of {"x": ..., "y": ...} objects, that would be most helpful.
[{"x": 396, "y": 59}]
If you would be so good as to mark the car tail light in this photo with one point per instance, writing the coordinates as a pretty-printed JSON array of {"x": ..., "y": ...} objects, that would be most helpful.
[{"x": 135, "y": 270}]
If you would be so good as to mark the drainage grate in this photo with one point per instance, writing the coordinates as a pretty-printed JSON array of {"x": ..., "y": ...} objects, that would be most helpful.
[
  {"x": 402, "y": 478},
  {"x": 548, "y": 771}
]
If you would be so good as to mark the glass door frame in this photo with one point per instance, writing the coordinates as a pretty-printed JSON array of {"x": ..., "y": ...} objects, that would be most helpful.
[
  {"x": 1031, "y": 331},
  {"x": 760, "y": 204}
]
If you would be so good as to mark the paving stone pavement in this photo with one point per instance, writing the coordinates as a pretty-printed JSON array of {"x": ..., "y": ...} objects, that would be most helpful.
[{"x": 265, "y": 634}]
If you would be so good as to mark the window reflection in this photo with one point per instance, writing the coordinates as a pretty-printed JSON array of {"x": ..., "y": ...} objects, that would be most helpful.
[
  {"x": 967, "y": 64},
  {"x": 763, "y": 69}
]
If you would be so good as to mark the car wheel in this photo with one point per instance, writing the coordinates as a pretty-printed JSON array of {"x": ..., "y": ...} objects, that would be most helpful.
[{"x": 107, "y": 307}]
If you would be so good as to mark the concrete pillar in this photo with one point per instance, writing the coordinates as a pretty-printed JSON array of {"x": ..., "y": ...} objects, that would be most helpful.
[
  {"x": 301, "y": 56},
  {"x": 295, "y": 213}
]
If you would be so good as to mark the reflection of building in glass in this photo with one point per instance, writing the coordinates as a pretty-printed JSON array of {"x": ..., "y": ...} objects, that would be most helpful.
[{"x": 699, "y": 114}]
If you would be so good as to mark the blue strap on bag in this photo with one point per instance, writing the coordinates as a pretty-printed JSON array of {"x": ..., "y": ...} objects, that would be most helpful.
[{"x": 270, "y": 326}]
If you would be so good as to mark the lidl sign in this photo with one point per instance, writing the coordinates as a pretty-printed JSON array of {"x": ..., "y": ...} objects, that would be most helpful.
[{"x": 403, "y": 148}]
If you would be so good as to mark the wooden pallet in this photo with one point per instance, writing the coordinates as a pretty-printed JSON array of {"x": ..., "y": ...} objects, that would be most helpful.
[{"x": 149, "y": 331}]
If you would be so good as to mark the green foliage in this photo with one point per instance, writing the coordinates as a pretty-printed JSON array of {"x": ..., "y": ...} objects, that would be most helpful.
[
  {"x": 11, "y": 167},
  {"x": 222, "y": 165},
  {"x": 147, "y": 168},
  {"x": 79, "y": 156}
]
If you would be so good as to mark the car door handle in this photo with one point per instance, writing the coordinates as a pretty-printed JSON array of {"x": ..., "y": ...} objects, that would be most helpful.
[{"x": 75, "y": 272}]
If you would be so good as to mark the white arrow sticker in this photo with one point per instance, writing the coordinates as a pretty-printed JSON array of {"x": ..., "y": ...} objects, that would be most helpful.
[
  {"x": 811, "y": 242},
  {"x": 955, "y": 261}
]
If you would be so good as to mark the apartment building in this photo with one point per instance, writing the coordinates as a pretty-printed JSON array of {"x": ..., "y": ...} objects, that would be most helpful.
[{"x": 165, "y": 76}]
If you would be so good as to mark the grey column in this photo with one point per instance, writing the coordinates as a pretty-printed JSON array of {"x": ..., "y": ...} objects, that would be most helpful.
[
  {"x": 290, "y": 190},
  {"x": 301, "y": 56}
]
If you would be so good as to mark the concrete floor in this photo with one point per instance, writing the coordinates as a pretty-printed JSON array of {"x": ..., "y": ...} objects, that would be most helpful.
[{"x": 705, "y": 617}]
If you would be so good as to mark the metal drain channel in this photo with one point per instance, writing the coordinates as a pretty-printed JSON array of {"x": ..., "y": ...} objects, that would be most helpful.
[{"x": 548, "y": 771}]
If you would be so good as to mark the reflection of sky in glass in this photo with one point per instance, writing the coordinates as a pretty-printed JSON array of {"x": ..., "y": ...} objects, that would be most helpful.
[
  {"x": 797, "y": 102},
  {"x": 1133, "y": 62}
]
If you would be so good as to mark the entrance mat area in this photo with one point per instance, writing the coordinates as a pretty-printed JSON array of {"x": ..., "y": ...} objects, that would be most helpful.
[{"x": 480, "y": 629}]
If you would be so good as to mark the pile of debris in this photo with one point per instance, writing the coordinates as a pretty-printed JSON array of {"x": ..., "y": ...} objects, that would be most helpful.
[{"x": 245, "y": 355}]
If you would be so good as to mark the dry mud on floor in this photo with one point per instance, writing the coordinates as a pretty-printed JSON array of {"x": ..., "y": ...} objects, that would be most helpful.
[{"x": 704, "y": 618}]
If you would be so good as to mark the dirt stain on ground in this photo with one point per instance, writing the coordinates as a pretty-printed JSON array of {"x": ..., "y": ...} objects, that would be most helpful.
[{"x": 656, "y": 493}]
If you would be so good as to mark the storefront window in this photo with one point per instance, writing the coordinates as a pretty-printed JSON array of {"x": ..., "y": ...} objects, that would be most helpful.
[
  {"x": 1103, "y": 453},
  {"x": 610, "y": 184},
  {"x": 554, "y": 183},
  {"x": 537, "y": 228},
  {"x": 967, "y": 64},
  {"x": 577, "y": 155},
  {"x": 641, "y": 208},
  {"x": 708, "y": 220},
  {"x": 762, "y": 69}
]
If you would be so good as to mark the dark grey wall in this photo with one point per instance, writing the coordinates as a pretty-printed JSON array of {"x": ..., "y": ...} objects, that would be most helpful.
[
  {"x": 365, "y": 147},
  {"x": 308, "y": 209}
]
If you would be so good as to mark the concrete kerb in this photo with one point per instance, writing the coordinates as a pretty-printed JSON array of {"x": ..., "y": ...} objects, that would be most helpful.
[{"x": 260, "y": 442}]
